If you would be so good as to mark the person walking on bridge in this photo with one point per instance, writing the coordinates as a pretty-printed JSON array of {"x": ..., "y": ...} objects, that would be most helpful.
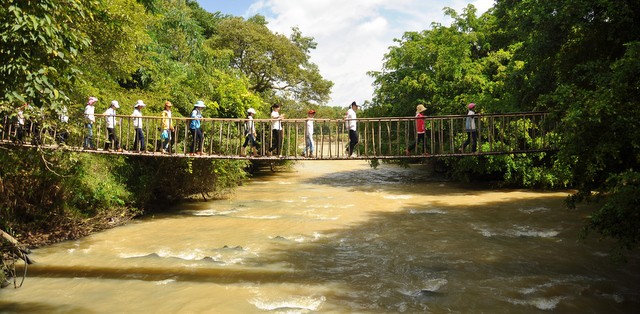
[
  {"x": 196, "y": 131},
  {"x": 167, "y": 127},
  {"x": 250, "y": 134},
  {"x": 110, "y": 116},
  {"x": 139, "y": 144},
  {"x": 276, "y": 129},
  {"x": 90, "y": 119},
  {"x": 351, "y": 120},
  {"x": 308, "y": 135},
  {"x": 470, "y": 128},
  {"x": 21, "y": 124},
  {"x": 420, "y": 130}
]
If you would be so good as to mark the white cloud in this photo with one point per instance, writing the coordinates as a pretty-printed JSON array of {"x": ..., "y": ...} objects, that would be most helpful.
[{"x": 354, "y": 35}]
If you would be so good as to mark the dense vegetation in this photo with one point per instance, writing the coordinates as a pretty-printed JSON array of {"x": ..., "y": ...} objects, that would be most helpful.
[
  {"x": 54, "y": 54},
  {"x": 579, "y": 59}
]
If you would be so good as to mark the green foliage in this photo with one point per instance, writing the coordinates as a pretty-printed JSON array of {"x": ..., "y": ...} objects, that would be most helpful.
[
  {"x": 163, "y": 181},
  {"x": 277, "y": 67},
  {"x": 39, "y": 42},
  {"x": 619, "y": 217},
  {"x": 56, "y": 53},
  {"x": 438, "y": 67},
  {"x": 578, "y": 59},
  {"x": 47, "y": 186},
  {"x": 99, "y": 184}
]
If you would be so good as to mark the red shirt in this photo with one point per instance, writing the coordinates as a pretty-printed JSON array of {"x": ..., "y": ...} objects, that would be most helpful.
[{"x": 419, "y": 123}]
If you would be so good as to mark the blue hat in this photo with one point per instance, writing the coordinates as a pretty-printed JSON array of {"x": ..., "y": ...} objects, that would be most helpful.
[{"x": 200, "y": 104}]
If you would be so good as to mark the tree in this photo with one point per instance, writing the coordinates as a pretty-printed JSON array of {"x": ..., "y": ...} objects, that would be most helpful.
[
  {"x": 39, "y": 42},
  {"x": 438, "y": 67},
  {"x": 580, "y": 59},
  {"x": 277, "y": 66}
]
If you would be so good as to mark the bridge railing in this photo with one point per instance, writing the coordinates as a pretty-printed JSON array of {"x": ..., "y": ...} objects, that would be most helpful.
[{"x": 382, "y": 138}]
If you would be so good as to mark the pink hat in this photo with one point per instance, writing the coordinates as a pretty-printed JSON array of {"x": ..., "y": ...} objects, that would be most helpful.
[
  {"x": 92, "y": 100},
  {"x": 471, "y": 105}
]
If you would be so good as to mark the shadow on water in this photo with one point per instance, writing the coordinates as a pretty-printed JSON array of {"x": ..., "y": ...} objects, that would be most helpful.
[
  {"x": 479, "y": 257},
  {"x": 501, "y": 256},
  {"x": 408, "y": 261},
  {"x": 31, "y": 307}
]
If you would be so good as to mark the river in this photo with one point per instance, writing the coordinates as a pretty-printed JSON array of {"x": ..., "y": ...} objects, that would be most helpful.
[{"x": 339, "y": 237}]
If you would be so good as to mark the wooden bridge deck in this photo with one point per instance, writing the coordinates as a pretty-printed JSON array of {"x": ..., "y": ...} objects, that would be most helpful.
[{"x": 379, "y": 138}]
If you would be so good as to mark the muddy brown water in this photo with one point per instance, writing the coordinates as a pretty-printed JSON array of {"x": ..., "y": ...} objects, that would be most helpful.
[{"x": 339, "y": 237}]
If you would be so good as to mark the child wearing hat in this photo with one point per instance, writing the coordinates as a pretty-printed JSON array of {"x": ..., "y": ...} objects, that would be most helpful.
[
  {"x": 110, "y": 116},
  {"x": 139, "y": 144},
  {"x": 470, "y": 128},
  {"x": 250, "y": 134},
  {"x": 194, "y": 127},
  {"x": 351, "y": 120},
  {"x": 276, "y": 129},
  {"x": 308, "y": 135},
  {"x": 167, "y": 127},
  {"x": 420, "y": 130},
  {"x": 90, "y": 119}
]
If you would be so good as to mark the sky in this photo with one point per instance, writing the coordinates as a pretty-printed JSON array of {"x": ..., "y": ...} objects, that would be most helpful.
[{"x": 352, "y": 35}]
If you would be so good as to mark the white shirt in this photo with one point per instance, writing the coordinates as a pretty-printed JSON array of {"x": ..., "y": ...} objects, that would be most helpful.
[
  {"x": 251, "y": 127},
  {"x": 471, "y": 122},
  {"x": 137, "y": 122},
  {"x": 351, "y": 119},
  {"x": 309, "y": 127},
  {"x": 111, "y": 118},
  {"x": 275, "y": 124},
  {"x": 21, "y": 117},
  {"x": 89, "y": 110},
  {"x": 64, "y": 117}
]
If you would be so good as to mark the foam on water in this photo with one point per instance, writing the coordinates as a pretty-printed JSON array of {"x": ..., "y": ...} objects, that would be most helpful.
[
  {"x": 516, "y": 232},
  {"x": 303, "y": 238},
  {"x": 427, "y": 211},
  {"x": 545, "y": 304},
  {"x": 189, "y": 255},
  {"x": 525, "y": 231},
  {"x": 531, "y": 210},
  {"x": 212, "y": 212},
  {"x": 290, "y": 305},
  {"x": 164, "y": 282},
  {"x": 434, "y": 284},
  {"x": 397, "y": 197},
  {"x": 268, "y": 217}
]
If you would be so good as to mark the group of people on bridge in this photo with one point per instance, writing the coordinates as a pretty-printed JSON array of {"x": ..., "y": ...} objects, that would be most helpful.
[
  {"x": 197, "y": 137},
  {"x": 168, "y": 131}
]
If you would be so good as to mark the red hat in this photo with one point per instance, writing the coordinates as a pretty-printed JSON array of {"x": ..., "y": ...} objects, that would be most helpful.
[
  {"x": 471, "y": 105},
  {"x": 311, "y": 111}
]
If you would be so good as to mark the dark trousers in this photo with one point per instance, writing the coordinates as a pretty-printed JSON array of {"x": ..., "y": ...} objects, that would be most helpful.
[
  {"x": 472, "y": 137},
  {"x": 276, "y": 141},
  {"x": 63, "y": 136},
  {"x": 197, "y": 136},
  {"x": 353, "y": 140},
  {"x": 139, "y": 140},
  {"x": 20, "y": 133},
  {"x": 113, "y": 138},
  {"x": 250, "y": 139},
  {"x": 419, "y": 140}
]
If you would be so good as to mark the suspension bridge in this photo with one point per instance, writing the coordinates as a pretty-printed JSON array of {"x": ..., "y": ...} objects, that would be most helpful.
[{"x": 379, "y": 138}]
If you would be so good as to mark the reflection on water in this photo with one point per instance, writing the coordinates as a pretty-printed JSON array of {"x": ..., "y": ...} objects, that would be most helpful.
[{"x": 339, "y": 237}]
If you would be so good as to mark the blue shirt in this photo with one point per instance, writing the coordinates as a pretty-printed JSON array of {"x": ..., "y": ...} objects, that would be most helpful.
[{"x": 195, "y": 123}]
